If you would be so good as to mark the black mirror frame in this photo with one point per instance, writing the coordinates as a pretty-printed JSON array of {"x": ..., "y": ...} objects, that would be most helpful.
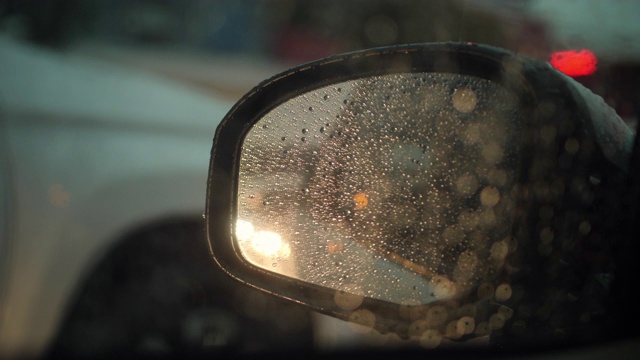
[{"x": 529, "y": 80}]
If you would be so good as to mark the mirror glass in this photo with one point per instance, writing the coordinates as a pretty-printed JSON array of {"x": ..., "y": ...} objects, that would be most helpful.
[{"x": 396, "y": 187}]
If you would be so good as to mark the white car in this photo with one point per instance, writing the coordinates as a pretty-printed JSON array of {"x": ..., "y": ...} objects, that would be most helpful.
[{"x": 103, "y": 175}]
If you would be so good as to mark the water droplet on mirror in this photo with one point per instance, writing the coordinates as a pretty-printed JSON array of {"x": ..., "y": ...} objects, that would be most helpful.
[
  {"x": 364, "y": 318},
  {"x": 584, "y": 228},
  {"x": 417, "y": 328},
  {"x": 572, "y": 146},
  {"x": 464, "y": 100},
  {"x": 451, "y": 330},
  {"x": 496, "y": 321},
  {"x": 436, "y": 315},
  {"x": 503, "y": 292},
  {"x": 430, "y": 339},
  {"x": 483, "y": 329},
  {"x": 490, "y": 196},
  {"x": 499, "y": 250},
  {"x": 350, "y": 299},
  {"x": 465, "y": 325}
]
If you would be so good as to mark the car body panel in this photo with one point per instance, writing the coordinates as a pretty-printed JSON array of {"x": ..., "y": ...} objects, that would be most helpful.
[{"x": 95, "y": 151}]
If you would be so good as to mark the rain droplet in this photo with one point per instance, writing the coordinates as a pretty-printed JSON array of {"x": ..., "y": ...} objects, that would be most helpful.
[
  {"x": 430, "y": 339},
  {"x": 305, "y": 131},
  {"x": 490, "y": 196},
  {"x": 503, "y": 292},
  {"x": 348, "y": 301},
  {"x": 464, "y": 100},
  {"x": 465, "y": 325}
]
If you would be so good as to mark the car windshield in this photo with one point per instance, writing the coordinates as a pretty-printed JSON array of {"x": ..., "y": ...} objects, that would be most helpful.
[{"x": 108, "y": 109}]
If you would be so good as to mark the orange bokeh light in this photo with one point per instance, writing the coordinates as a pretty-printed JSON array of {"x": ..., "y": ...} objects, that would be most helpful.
[{"x": 361, "y": 200}]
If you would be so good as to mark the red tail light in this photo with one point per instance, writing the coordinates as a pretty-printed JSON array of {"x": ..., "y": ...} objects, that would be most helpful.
[{"x": 574, "y": 62}]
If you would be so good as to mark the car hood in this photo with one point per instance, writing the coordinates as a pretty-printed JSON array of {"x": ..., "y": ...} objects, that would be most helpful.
[{"x": 44, "y": 84}]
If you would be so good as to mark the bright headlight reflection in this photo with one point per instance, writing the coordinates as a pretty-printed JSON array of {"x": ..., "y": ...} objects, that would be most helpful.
[
  {"x": 244, "y": 230},
  {"x": 265, "y": 243}
]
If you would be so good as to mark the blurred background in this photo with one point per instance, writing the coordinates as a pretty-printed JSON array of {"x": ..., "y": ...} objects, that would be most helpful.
[
  {"x": 228, "y": 46},
  {"x": 59, "y": 290}
]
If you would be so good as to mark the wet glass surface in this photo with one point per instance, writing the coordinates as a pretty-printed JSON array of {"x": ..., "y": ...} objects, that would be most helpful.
[{"x": 396, "y": 187}]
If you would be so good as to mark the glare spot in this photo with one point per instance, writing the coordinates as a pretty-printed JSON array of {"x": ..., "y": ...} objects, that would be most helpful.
[
  {"x": 489, "y": 196},
  {"x": 464, "y": 100},
  {"x": 266, "y": 242},
  {"x": 244, "y": 230},
  {"x": 503, "y": 292}
]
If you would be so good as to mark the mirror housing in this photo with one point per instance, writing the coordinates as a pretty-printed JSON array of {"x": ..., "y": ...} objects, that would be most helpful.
[{"x": 567, "y": 175}]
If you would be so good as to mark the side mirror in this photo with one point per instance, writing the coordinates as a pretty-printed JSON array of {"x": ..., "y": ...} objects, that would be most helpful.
[{"x": 441, "y": 192}]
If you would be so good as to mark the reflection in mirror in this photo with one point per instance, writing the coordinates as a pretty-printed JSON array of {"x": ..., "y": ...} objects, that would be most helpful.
[{"x": 395, "y": 187}]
